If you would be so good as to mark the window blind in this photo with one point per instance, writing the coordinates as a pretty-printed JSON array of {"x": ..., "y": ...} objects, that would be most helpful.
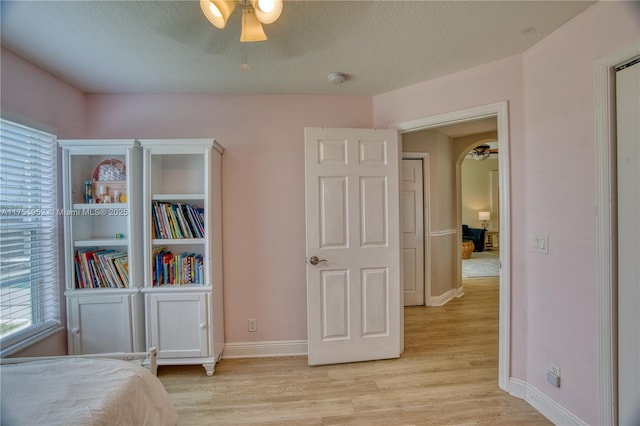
[{"x": 29, "y": 289}]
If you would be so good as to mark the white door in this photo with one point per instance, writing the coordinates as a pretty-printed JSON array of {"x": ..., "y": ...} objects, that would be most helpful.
[
  {"x": 411, "y": 208},
  {"x": 628, "y": 140},
  {"x": 352, "y": 221}
]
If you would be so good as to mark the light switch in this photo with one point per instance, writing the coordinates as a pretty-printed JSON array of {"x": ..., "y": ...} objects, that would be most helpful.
[{"x": 541, "y": 244}]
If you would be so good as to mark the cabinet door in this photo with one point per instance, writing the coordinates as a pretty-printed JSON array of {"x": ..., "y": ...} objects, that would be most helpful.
[
  {"x": 177, "y": 324},
  {"x": 100, "y": 324}
]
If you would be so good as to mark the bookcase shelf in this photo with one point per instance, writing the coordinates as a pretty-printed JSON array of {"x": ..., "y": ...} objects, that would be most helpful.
[
  {"x": 101, "y": 291},
  {"x": 99, "y": 242},
  {"x": 178, "y": 197},
  {"x": 177, "y": 241},
  {"x": 100, "y": 206},
  {"x": 182, "y": 250},
  {"x": 187, "y": 288}
]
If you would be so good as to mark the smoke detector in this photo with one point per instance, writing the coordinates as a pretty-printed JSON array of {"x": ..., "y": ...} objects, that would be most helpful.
[{"x": 337, "y": 77}]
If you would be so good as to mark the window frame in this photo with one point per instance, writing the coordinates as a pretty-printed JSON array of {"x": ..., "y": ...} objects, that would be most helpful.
[{"x": 39, "y": 219}]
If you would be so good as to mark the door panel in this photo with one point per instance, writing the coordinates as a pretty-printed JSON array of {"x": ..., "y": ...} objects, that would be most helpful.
[
  {"x": 178, "y": 324},
  {"x": 352, "y": 217},
  {"x": 100, "y": 324},
  {"x": 373, "y": 221},
  {"x": 333, "y": 199},
  {"x": 335, "y": 304},
  {"x": 375, "y": 294}
]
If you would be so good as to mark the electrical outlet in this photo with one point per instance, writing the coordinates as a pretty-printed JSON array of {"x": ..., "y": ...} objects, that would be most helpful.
[
  {"x": 253, "y": 324},
  {"x": 553, "y": 379},
  {"x": 553, "y": 374}
]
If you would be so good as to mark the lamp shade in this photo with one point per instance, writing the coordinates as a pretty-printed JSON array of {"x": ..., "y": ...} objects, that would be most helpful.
[
  {"x": 217, "y": 11},
  {"x": 251, "y": 28},
  {"x": 484, "y": 216},
  {"x": 267, "y": 11}
]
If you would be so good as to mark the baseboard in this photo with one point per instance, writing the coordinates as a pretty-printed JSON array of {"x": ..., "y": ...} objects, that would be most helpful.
[
  {"x": 265, "y": 349},
  {"x": 445, "y": 297},
  {"x": 518, "y": 388},
  {"x": 542, "y": 402}
]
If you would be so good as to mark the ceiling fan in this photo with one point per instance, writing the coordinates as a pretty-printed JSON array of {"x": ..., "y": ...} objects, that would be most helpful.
[
  {"x": 482, "y": 152},
  {"x": 255, "y": 13}
]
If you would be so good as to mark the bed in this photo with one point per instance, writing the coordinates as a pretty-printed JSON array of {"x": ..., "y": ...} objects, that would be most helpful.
[{"x": 106, "y": 389}]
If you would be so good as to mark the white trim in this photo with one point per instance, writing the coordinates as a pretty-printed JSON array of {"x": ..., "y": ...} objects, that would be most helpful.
[
  {"x": 29, "y": 122},
  {"x": 604, "y": 80},
  {"x": 459, "y": 292},
  {"x": 445, "y": 297},
  {"x": 542, "y": 402},
  {"x": 501, "y": 112},
  {"x": 443, "y": 233},
  {"x": 265, "y": 349},
  {"x": 454, "y": 117},
  {"x": 11, "y": 349},
  {"x": 518, "y": 388},
  {"x": 437, "y": 300}
]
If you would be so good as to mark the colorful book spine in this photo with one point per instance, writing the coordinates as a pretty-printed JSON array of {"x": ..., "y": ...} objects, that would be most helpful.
[
  {"x": 101, "y": 268},
  {"x": 176, "y": 269},
  {"x": 176, "y": 221}
]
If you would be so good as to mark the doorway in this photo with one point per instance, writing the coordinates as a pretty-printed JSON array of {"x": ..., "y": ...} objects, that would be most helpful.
[
  {"x": 500, "y": 112},
  {"x": 479, "y": 201}
]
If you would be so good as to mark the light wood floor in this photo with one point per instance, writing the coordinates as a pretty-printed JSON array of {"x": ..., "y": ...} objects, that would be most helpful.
[{"x": 447, "y": 375}]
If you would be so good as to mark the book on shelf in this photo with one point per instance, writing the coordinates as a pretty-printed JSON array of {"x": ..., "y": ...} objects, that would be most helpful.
[
  {"x": 101, "y": 268},
  {"x": 176, "y": 221},
  {"x": 176, "y": 269}
]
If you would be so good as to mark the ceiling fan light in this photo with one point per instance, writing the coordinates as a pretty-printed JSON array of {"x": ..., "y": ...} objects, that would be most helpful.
[
  {"x": 480, "y": 152},
  {"x": 479, "y": 157},
  {"x": 267, "y": 11},
  {"x": 251, "y": 28},
  {"x": 217, "y": 11}
]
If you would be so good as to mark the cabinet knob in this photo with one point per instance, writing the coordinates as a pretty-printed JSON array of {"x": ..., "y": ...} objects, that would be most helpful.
[
  {"x": 75, "y": 330},
  {"x": 203, "y": 325}
]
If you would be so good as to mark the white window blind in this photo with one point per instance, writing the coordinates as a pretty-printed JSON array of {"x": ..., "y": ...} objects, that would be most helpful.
[{"x": 29, "y": 298}]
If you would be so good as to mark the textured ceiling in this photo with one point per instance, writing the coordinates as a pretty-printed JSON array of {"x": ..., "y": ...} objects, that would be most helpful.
[{"x": 169, "y": 47}]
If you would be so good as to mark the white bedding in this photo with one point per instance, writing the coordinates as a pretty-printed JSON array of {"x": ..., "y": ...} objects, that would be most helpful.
[{"x": 79, "y": 391}]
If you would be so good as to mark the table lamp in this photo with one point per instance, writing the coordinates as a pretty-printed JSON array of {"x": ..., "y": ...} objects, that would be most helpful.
[{"x": 484, "y": 217}]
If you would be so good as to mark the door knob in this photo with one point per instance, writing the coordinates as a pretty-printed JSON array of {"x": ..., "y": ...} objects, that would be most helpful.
[{"x": 314, "y": 260}]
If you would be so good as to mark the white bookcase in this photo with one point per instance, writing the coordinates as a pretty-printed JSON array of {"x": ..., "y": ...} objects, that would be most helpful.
[
  {"x": 103, "y": 268},
  {"x": 183, "y": 266}
]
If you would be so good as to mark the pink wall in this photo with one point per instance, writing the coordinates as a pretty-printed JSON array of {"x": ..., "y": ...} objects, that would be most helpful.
[
  {"x": 561, "y": 185},
  {"x": 550, "y": 94},
  {"x": 553, "y": 175},
  {"x": 263, "y": 188},
  {"x": 35, "y": 97}
]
